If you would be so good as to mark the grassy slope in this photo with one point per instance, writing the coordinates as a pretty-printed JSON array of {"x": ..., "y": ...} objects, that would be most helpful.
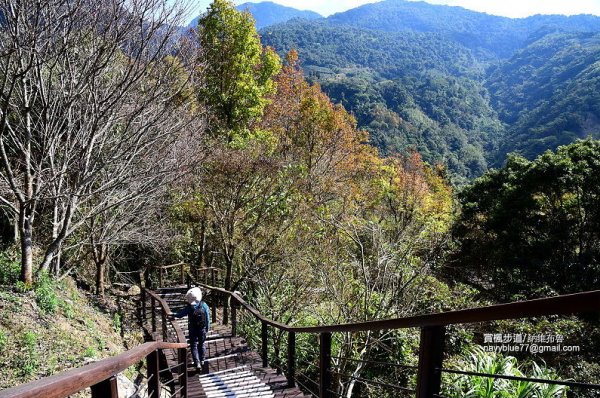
[{"x": 43, "y": 337}]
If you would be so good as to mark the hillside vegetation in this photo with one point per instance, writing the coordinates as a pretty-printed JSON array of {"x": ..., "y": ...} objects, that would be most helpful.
[
  {"x": 125, "y": 145},
  {"x": 548, "y": 93},
  {"x": 489, "y": 36},
  {"x": 463, "y": 88},
  {"x": 55, "y": 327}
]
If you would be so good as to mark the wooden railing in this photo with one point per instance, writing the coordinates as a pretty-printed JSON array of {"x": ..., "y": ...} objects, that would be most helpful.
[
  {"x": 432, "y": 331},
  {"x": 164, "y": 273},
  {"x": 101, "y": 376}
]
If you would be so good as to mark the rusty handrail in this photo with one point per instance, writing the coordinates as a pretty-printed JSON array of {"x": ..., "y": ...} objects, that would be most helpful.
[{"x": 74, "y": 380}]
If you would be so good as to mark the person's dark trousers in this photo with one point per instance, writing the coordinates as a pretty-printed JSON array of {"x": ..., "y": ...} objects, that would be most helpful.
[{"x": 197, "y": 338}]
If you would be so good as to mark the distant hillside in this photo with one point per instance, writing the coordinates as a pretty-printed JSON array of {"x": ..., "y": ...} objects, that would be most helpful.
[
  {"x": 487, "y": 35},
  {"x": 268, "y": 13},
  {"x": 549, "y": 93},
  {"x": 463, "y": 88},
  {"x": 409, "y": 90}
]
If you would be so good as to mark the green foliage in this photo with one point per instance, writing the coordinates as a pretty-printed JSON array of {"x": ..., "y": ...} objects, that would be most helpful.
[
  {"x": 534, "y": 226},
  {"x": 234, "y": 87},
  {"x": 548, "y": 93},
  {"x": 117, "y": 322},
  {"x": 3, "y": 340},
  {"x": 67, "y": 309},
  {"x": 409, "y": 91},
  {"x": 10, "y": 269},
  {"x": 22, "y": 287},
  {"x": 29, "y": 362},
  {"x": 413, "y": 74},
  {"x": 488, "y": 36},
  {"x": 45, "y": 293},
  {"x": 479, "y": 361},
  {"x": 90, "y": 352}
]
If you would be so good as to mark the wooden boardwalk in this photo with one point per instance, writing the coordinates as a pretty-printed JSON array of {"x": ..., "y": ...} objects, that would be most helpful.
[{"x": 234, "y": 370}]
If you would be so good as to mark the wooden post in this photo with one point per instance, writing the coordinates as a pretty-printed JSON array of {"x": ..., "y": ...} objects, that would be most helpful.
[
  {"x": 265, "y": 337},
  {"x": 160, "y": 277},
  {"x": 188, "y": 280},
  {"x": 183, "y": 376},
  {"x": 325, "y": 365},
  {"x": 106, "y": 389},
  {"x": 431, "y": 355},
  {"x": 164, "y": 326},
  {"x": 153, "y": 373},
  {"x": 291, "y": 360},
  {"x": 143, "y": 317},
  {"x": 213, "y": 305},
  {"x": 233, "y": 319},
  {"x": 153, "y": 309},
  {"x": 147, "y": 278}
]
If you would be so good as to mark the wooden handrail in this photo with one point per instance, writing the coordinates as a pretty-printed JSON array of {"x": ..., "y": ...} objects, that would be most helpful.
[
  {"x": 169, "y": 266},
  {"x": 560, "y": 305},
  {"x": 74, "y": 380},
  {"x": 432, "y": 328},
  {"x": 167, "y": 310},
  {"x": 91, "y": 375}
]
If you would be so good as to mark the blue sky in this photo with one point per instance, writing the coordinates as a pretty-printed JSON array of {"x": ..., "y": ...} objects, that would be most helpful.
[{"x": 509, "y": 8}]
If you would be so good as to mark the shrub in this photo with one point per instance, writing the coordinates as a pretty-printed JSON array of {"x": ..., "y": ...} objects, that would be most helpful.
[
  {"x": 10, "y": 270},
  {"x": 90, "y": 352},
  {"x": 480, "y": 361},
  {"x": 29, "y": 362},
  {"x": 117, "y": 322},
  {"x": 22, "y": 287},
  {"x": 45, "y": 294}
]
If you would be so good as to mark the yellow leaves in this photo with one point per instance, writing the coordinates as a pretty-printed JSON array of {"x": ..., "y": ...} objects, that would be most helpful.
[
  {"x": 410, "y": 190},
  {"x": 258, "y": 142}
]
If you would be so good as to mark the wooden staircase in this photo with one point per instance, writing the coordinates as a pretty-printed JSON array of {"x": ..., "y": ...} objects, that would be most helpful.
[{"x": 233, "y": 369}]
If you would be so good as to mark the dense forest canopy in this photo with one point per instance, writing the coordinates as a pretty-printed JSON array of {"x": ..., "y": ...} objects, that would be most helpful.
[{"x": 461, "y": 87}]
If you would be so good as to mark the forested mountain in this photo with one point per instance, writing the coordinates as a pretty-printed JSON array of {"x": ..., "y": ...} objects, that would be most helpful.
[
  {"x": 126, "y": 146},
  {"x": 488, "y": 35},
  {"x": 268, "y": 13},
  {"x": 548, "y": 94},
  {"x": 409, "y": 90},
  {"x": 461, "y": 87}
]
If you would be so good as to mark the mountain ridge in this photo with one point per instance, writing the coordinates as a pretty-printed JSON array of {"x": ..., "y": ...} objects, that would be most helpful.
[{"x": 267, "y": 13}]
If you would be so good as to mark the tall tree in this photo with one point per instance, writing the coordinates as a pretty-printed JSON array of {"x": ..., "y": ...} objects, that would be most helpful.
[
  {"x": 533, "y": 225},
  {"x": 238, "y": 70},
  {"x": 78, "y": 109}
]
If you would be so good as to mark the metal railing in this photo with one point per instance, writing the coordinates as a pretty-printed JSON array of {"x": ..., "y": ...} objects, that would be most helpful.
[{"x": 432, "y": 336}]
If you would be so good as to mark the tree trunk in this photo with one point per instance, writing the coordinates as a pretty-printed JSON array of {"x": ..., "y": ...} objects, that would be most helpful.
[
  {"x": 201, "y": 256},
  {"x": 100, "y": 260},
  {"x": 26, "y": 233},
  {"x": 228, "y": 277},
  {"x": 16, "y": 228}
]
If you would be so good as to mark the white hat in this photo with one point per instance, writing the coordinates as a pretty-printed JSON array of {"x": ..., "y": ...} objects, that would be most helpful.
[{"x": 193, "y": 296}]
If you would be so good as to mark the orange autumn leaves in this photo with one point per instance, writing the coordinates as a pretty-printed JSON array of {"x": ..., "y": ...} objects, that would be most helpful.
[{"x": 339, "y": 164}]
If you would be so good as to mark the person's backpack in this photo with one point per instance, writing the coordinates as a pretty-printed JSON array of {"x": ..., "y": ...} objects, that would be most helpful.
[{"x": 199, "y": 318}]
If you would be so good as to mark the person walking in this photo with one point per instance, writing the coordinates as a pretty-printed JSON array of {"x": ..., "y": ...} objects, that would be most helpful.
[{"x": 198, "y": 323}]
